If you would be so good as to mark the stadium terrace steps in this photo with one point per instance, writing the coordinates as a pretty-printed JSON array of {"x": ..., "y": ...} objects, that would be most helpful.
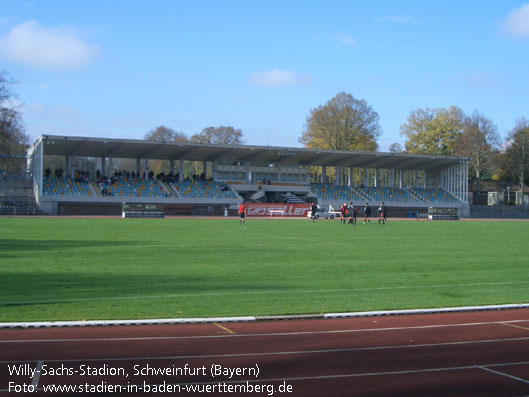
[
  {"x": 397, "y": 195},
  {"x": 414, "y": 195},
  {"x": 18, "y": 205},
  {"x": 203, "y": 189},
  {"x": 435, "y": 195},
  {"x": 96, "y": 189},
  {"x": 124, "y": 188},
  {"x": 168, "y": 189},
  {"x": 388, "y": 194},
  {"x": 65, "y": 186},
  {"x": 330, "y": 192},
  {"x": 130, "y": 188}
]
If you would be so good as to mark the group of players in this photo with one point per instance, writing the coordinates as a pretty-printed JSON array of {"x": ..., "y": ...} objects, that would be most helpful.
[{"x": 348, "y": 213}]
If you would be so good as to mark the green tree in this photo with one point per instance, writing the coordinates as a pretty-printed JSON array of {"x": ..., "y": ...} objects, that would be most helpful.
[
  {"x": 343, "y": 123},
  {"x": 477, "y": 141},
  {"x": 219, "y": 135},
  {"x": 433, "y": 131},
  {"x": 515, "y": 159}
]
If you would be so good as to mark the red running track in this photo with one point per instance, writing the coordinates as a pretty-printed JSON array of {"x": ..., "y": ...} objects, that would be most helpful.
[{"x": 458, "y": 354}]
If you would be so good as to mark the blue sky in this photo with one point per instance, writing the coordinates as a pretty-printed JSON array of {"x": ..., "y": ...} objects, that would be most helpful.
[{"x": 121, "y": 68}]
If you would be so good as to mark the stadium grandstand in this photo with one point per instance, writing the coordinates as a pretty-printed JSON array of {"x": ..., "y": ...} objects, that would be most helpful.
[{"x": 230, "y": 174}]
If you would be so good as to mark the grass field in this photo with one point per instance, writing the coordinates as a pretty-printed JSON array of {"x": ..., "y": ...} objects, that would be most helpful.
[{"x": 75, "y": 269}]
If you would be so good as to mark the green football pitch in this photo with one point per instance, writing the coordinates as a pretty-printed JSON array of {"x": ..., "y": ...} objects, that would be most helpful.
[{"x": 82, "y": 269}]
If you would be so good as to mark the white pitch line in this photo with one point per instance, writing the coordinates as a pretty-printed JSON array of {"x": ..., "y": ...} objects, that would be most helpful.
[
  {"x": 280, "y": 353},
  {"x": 36, "y": 377},
  {"x": 250, "y": 293},
  {"x": 273, "y": 334},
  {"x": 483, "y": 367}
]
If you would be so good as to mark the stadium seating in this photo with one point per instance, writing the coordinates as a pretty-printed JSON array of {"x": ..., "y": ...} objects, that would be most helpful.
[
  {"x": 327, "y": 191},
  {"x": 65, "y": 186},
  {"x": 331, "y": 192},
  {"x": 202, "y": 189},
  {"x": 435, "y": 195},
  {"x": 123, "y": 187},
  {"x": 388, "y": 194}
]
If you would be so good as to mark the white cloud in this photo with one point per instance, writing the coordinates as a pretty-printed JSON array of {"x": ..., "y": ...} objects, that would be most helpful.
[
  {"x": 345, "y": 40},
  {"x": 479, "y": 80},
  {"x": 278, "y": 78},
  {"x": 516, "y": 23},
  {"x": 51, "y": 48},
  {"x": 340, "y": 39}
]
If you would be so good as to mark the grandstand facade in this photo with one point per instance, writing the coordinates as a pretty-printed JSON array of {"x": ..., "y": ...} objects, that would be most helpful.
[{"x": 232, "y": 173}]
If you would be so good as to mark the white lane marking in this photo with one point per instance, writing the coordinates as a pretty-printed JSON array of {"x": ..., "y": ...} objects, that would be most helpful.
[
  {"x": 274, "y": 334},
  {"x": 36, "y": 377},
  {"x": 132, "y": 297},
  {"x": 484, "y": 367},
  {"x": 281, "y": 353}
]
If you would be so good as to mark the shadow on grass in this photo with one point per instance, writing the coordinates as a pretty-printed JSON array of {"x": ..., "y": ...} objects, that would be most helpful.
[
  {"x": 13, "y": 248},
  {"x": 29, "y": 289}
]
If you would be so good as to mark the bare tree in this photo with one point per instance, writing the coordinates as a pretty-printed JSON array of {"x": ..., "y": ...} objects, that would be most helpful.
[
  {"x": 165, "y": 134},
  {"x": 396, "y": 148},
  {"x": 343, "y": 123},
  {"x": 478, "y": 139},
  {"x": 515, "y": 159},
  {"x": 13, "y": 138},
  {"x": 219, "y": 135}
]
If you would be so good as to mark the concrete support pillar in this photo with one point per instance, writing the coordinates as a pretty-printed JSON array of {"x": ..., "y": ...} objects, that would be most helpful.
[
  {"x": 350, "y": 178},
  {"x": 204, "y": 168},
  {"x": 376, "y": 177},
  {"x": 103, "y": 167},
  {"x": 401, "y": 178},
  {"x": 248, "y": 178},
  {"x": 338, "y": 176},
  {"x": 181, "y": 170},
  {"x": 110, "y": 166},
  {"x": 138, "y": 167},
  {"x": 214, "y": 170},
  {"x": 68, "y": 166},
  {"x": 365, "y": 178},
  {"x": 146, "y": 171},
  {"x": 323, "y": 174},
  {"x": 392, "y": 177},
  {"x": 171, "y": 166}
]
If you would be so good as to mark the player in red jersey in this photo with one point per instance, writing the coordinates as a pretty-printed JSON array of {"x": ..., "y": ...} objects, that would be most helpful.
[{"x": 242, "y": 213}]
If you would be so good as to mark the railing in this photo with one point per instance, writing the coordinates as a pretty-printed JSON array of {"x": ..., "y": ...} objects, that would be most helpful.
[{"x": 499, "y": 211}]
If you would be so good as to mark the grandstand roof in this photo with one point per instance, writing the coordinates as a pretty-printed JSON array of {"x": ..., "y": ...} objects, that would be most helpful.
[{"x": 135, "y": 148}]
